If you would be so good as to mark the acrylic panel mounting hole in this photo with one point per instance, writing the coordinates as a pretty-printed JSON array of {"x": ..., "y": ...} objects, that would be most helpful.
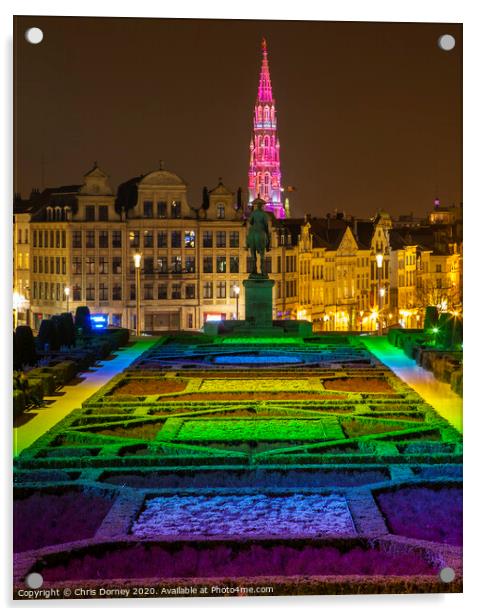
[
  {"x": 446, "y": 42},
  {"x": 34, "y": 36}
]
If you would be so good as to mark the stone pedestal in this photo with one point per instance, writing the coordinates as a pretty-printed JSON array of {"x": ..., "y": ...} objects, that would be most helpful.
[{"x": 258, "y": 295}]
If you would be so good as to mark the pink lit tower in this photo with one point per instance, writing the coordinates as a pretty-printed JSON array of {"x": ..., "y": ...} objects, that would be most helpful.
[{"x": 264, "y": 164}]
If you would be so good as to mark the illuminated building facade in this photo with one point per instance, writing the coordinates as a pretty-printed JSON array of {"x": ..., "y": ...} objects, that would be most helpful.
[
  {"x": 75, "y": 245},
  {"x": 264, "y": 178}
]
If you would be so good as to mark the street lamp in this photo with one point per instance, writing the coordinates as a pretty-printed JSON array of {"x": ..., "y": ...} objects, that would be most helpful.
[
  {"x": 379, "y": 258},
  {"x": 137, "y": 265},
  {"x": 18, "y": 300},
  {"x": 67, "y": 295},
  {"x": 236, "y": 290}
]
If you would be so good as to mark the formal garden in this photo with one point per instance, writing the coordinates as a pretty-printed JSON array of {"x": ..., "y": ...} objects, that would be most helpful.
[{"x": 300, "y": 463}]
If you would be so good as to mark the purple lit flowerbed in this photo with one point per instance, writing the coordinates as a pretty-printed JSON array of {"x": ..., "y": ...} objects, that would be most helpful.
[
  {"x": 249, "y": 515},
  {"x": 229, "y": 560},
  {"x": 42, "y": 519},
  {"x": 432, "y": 513}
]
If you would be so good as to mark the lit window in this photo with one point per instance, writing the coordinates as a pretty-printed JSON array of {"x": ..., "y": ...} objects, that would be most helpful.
[{"x": 220, "y": 210}]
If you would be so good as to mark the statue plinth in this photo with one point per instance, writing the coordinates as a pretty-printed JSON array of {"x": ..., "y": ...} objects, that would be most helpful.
[{"x": 258, "y": 293}]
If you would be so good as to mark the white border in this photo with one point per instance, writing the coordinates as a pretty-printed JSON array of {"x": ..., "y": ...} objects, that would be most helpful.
[{"x": 344, "y": 10}]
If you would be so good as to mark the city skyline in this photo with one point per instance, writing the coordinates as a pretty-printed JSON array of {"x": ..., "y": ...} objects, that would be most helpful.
[{"x": 351, "y": 138}]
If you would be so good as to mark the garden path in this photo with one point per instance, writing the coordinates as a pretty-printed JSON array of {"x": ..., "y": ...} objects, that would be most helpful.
[
  {"x": 439, "y": 395},
  {"x": 71, "y": 397}
]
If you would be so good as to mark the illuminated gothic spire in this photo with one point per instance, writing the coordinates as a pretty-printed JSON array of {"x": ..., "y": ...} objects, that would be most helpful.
[{"x": 264, "y": 166}]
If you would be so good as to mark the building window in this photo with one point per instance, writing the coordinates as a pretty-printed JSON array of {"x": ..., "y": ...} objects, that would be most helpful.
[
  {"x": 90, "y": 239},
  {"x": 40, "y": 265},
  {"x": 77, "y": 239},
  {"x": 116, "y": 293},
  {"x": 35, "y": 265},
  {"x": 208, "y": 265},
  {"x": 35, "y": 238},
  {"x": 51, "y": 243},
  {"x": 90, "y": 292},
  {"x": 89, "y": 265},
  {"x": 176, "y": 264},
  {"x": 132, "y": 291},
  {"x": 162, "y": 291},
  {"x": 162, "y": 265},
  {"x": 103, "y": 267},
  {"x": 207, "y": 290},
  {"x": 190, "y": 291},
  {"x": 148, "y": 265},
  {"x": 148, "y": 239},
  {"x": 117, "y": 320},
  {"x": 221, "y": 288},
  {"x": 220, "y": 211},
  {"x": 176, "y": 291},
  {"x": 175, "y": 239},
  {"x": 103, "y": 292},
  {"x": 176, "y": 209},
  {"x": 117, "y": 265},
  {"x": 221, "y": 264},
  {"x": 148, "y": 209},
  {"x": 189, "y": 239},
  {"x": 57, "y": 239},
  {"x": 116, "y": 239},
  {"x": 232, "y": 289},
  {"x": 190, "y": 264},
  {"x": 161, "y": 209},
  {"x": 103, "y": 212},
  {"x": 438, "y": 268},
  {"x": 51, "y": 265},
  {"x": 103, "y": 239},
  {"x": 268, "y": 265},
  {"x": 57, "y": 291},
  {"x": 162, "y": 239},
  {"x": 134, "y": 239},
  {"x": 220, "y": 239},
  {"x": 234, "y": 239},
  {"x": 57, "y": 265},
  {"x": 34, "y": 290},
  {"x": 64, "y": 265},
  {"x": 19, "y": 236},
  {"x": 207, "y": 239},
  {"x": 148, "y": 291},
  {"x": 64, "y": 239},
  {"x": 76, "y": 293},
  {"x": 90, "y": 212},
  {"x": 234, "y": 265}
]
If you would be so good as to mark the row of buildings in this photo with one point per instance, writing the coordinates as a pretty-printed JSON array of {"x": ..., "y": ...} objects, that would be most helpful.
[{"x": 75, "y": 245}]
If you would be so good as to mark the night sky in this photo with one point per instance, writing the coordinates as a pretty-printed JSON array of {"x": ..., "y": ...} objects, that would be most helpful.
[{"x": 369, "y": 115}]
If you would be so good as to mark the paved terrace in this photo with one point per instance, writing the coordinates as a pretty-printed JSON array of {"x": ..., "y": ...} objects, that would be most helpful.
[
  {"x": 447, "y": 403},
  {"x": 36, "y": 422}
]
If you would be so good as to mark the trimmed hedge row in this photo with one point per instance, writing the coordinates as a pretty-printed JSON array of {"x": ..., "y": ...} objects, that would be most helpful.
[{"x": 63, "y": 366}]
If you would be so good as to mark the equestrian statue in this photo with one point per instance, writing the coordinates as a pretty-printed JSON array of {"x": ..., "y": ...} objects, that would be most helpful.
[{"x": 258, "y": 241}]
